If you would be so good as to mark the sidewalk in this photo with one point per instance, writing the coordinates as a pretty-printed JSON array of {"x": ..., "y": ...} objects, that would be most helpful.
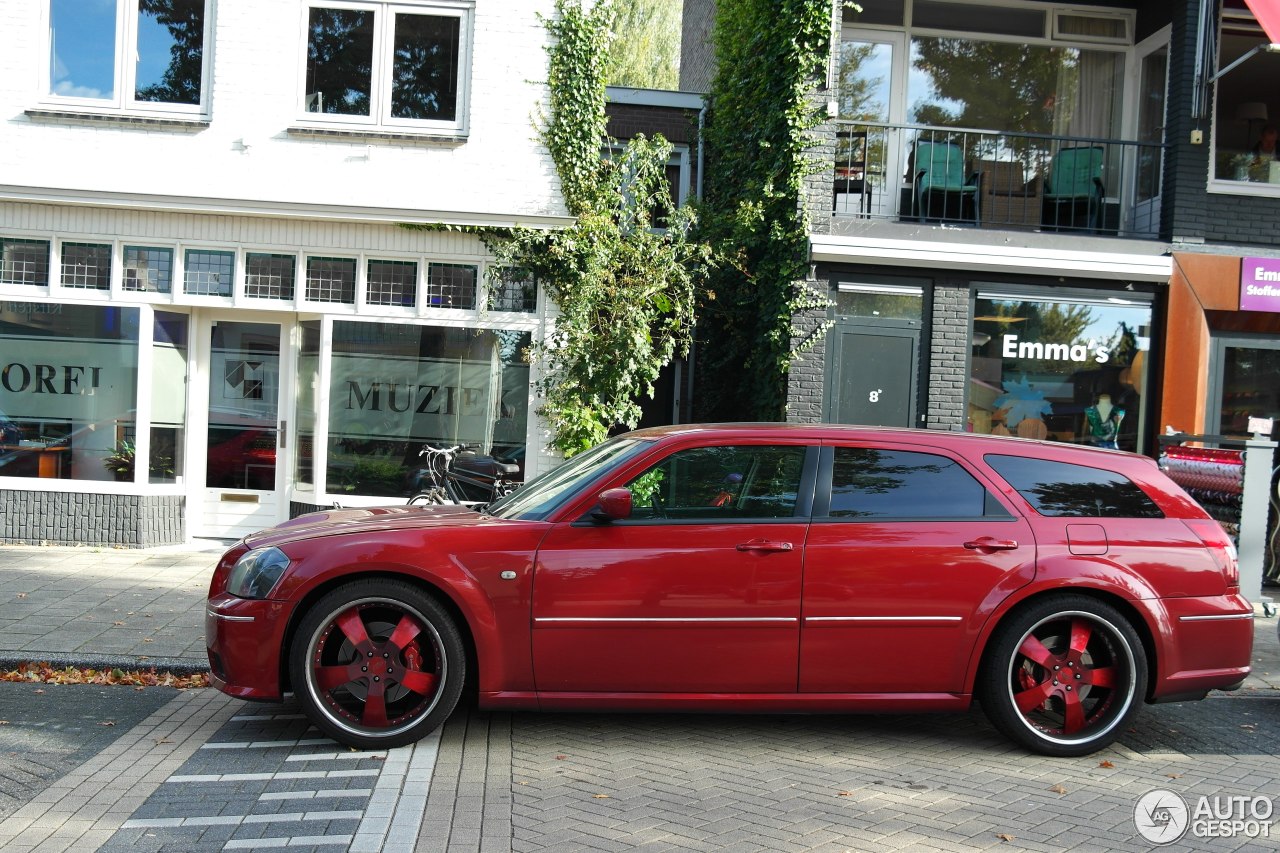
[
  {"x": 144, "y": 607},
  {"x": 106, "y": 607}
]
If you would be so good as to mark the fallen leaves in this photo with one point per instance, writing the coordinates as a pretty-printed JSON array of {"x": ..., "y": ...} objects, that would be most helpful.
[
  {"x": 844, "y": 793},
  {"x": 1106, "y": 764},
  {"x": 600, "y": 797},
  {"x": 1058, "y": 789},
  {"x": 107, "y": 723},
  {"x": 44, "y": 673},
  {"x": 1004, "y": 836}
]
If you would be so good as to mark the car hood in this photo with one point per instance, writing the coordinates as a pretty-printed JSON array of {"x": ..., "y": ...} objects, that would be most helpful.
[{"x": 363, "y": 519}]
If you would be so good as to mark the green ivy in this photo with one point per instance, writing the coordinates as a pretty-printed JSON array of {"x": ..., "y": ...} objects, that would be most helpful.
[
  {"x": 771, "y": 55},
  {"x": 625, "y": 292}
]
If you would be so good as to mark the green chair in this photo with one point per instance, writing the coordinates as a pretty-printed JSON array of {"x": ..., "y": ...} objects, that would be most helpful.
[
  {"x": 941, "y": 190},
  {"x": 1074, "y": 191}
]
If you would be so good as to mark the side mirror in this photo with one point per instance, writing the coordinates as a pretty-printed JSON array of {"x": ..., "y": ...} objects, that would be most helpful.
[{"x": 615, "y": 505}]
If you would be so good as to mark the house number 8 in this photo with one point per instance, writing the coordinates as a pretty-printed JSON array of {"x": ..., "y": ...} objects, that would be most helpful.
[{"x": 874, "y": 396}]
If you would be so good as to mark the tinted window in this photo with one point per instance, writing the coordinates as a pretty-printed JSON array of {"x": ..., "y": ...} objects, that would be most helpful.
[
  {"x": 1063, "y": 489},
  {"x": 721, "y": 483},
  {"x": 876, "y": 483}
]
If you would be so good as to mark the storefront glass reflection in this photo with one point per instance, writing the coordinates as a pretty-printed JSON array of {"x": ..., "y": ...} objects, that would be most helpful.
[
  {"x": 68, "y": 391},
  {"x": 394, "y": 389},
  {"x": 1071, "y": 371}
]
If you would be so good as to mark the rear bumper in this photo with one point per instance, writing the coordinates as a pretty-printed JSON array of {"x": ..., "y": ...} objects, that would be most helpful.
[
  {"x": 244, "y": 638},
  {"x": 1210, "y": 646}
]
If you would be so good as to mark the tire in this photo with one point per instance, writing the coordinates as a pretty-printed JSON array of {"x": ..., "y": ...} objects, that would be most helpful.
[
  {"x": 1063, "y": 676},
  {"x": 377, "y": 664}
]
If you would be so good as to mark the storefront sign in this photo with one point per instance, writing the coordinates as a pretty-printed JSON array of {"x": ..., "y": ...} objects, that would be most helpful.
[
  {"x": 1260, "y": 284},
  {"x": 67, "y": 379},
  {"x": 1014, "y": 348}
]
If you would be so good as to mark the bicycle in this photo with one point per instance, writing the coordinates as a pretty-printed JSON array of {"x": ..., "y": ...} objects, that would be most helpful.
[{"x": 459, "y": 476}]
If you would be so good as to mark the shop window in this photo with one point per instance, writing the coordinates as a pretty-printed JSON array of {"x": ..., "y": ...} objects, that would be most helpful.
[
  {"x": 512, "y": 290},
  {"x": 392, "y": 283},
  {"x": 209, "y": 273},
  {"x": 86, "y": 265},
  {"x": 306, "y": 408},
  {"x": 1063, "y": 370},
  {"x": 148, "y": 270},
  {"x": 1246, "y": 106},
  {"x": 168, "y": 407},
  {"x": 396, "y": 388},
  {"x": 331, "y": 280},
  {"x": 24, "y": 261},
  {"x": 68, "y": 390},
  {"x": 269, "y": 276},
  {"x": 878, "y": 483},
  {"x": 1074, "y": 491},
  {"x": 128, "y": 55},
  {"x": 383, "y": 65},
  {"x": 451, "y": 286}
]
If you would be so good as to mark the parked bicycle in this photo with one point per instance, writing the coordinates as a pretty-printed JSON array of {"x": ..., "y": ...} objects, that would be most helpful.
[{"x": 459, "y": 475}]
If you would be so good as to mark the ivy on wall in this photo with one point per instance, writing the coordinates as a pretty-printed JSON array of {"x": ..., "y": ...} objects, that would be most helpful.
[
  {"x": 625, "y": 291},
  {"x": 771, "y": 55}
]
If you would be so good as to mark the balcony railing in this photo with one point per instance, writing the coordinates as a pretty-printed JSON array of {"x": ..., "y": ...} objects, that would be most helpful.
[{"x": 1033, "y": 182}]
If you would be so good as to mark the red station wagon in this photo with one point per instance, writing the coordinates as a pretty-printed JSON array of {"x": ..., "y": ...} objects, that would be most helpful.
[{"x": 752, "y": 568}]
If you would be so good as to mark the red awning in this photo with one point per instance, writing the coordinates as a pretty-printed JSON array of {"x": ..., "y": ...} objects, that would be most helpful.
[{"x": 1268, "y": 14}]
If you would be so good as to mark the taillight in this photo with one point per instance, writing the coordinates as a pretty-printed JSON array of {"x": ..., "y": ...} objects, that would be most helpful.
[{"x": 1220, "y": 547}]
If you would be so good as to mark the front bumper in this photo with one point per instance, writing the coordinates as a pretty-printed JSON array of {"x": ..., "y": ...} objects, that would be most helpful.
[{"x": 245, "y": 642}]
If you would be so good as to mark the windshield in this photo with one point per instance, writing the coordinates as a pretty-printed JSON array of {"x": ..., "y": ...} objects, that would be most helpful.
[{"x": 540, "y": 496}]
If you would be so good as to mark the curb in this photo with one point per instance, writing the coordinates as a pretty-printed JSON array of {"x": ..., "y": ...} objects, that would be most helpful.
[{"x": 61, "y": 660}]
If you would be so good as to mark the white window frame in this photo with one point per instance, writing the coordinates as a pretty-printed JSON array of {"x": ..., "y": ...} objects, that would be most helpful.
[
  {"x": 1217, "y": 184},
  {"x": 124, "y": 81},
  {"x": 380, "y": 83}
]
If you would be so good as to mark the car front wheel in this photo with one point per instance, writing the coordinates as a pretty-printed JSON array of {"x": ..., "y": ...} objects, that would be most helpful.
[
  {"x": 377, "y": 664},
  {"x": 1063, "y": 676}
]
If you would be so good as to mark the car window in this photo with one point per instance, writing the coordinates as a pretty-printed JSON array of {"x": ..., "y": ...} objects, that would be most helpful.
[
  {"x": 541, "y": 496},
  {"x": 1064, "y": 489},
  {"x": 871, "y": 482},
  {"x": 736, "y": 482}
]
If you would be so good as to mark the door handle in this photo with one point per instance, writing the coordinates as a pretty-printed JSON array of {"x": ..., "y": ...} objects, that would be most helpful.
[
  {"x": 764, "y": 545},
  {"x": 987, "y": 543}
]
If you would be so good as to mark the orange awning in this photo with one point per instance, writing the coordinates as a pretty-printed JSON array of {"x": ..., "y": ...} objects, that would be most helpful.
[{"x": 1268, "y": 14}]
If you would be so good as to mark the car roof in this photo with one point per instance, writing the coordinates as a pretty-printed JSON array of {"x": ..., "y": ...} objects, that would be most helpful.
[{"x": 963, "y": 442}]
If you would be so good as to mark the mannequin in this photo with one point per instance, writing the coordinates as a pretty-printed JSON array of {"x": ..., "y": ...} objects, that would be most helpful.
[{"x": 1104, "y": 422}]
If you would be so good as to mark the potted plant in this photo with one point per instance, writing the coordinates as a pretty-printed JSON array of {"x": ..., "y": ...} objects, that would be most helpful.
[
  {"x": 120, "y": 462},
  {"x": 1240, "y": 164}
]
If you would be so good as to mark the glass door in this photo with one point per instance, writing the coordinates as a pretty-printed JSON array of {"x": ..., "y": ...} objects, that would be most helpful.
[
  {"x": 1246, "y": 376},
  {"x": 244, "y": 432},
  {"x": 1153, "y": 67},
  {"x": 868, "y": 150}
]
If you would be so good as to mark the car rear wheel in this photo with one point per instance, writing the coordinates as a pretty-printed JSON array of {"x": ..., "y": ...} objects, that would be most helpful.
[
  {"x": 377, "y": 664},
  {"x": 1063, "y": 676}
]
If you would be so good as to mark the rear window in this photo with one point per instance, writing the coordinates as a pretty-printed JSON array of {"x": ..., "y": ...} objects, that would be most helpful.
[{"x": 1075, "y": 491}]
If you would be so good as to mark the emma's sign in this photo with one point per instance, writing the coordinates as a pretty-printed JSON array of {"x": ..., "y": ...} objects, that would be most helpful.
[{"x": 1260, "y": 284}]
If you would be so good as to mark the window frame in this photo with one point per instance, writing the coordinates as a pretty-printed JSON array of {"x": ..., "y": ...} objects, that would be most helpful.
[
  {"x": 1238, "y": 20},
  {"x": 124, "y": 72},
  {"x": 380, "y": 88}
]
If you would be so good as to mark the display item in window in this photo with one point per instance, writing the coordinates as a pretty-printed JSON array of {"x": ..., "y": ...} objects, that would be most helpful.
[{"x": 1104, "y": 420}]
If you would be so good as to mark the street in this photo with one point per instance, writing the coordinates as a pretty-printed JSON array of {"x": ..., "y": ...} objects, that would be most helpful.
[{"x": 164, "y": 770}]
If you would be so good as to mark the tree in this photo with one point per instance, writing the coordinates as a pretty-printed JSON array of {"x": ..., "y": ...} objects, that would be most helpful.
[
  {"x": 645, "y": 52},
  {"x": 180, "y": 83}
]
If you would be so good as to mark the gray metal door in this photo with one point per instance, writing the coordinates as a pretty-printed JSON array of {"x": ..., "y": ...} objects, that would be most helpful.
[{"x": 873, "y": 375}]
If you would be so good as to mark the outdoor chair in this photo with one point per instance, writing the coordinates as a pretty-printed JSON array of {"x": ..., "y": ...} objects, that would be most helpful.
[
  {"x": 941, "y": 190},
  {"x": 1073, "y": 191}
]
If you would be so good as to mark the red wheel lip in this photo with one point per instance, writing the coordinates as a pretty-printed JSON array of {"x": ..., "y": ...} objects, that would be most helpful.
[
  {"x": 1056, "y": 735},
  {"x": 341, "y": 719}
]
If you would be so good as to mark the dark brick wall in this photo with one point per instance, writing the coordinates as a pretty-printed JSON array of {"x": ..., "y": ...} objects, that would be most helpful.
[
  {"x": 805, "y": 379},
  {"x": 297, "y": 508},
  {"x": 697, "y": 56},
  {"x": 948, "y": 356},
  {"x": 71, "y": 518},
  {"x": 626, "y": 120},
  {"x": 1191, "y": 213}
]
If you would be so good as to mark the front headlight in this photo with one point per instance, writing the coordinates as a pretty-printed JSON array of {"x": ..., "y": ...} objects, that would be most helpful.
[{"x": 256, "y": 573}]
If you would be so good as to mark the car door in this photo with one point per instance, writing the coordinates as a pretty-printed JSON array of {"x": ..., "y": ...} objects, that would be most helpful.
[
  {"x": 908, "y": 553},
  {"x": 697, "y": 592}
]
